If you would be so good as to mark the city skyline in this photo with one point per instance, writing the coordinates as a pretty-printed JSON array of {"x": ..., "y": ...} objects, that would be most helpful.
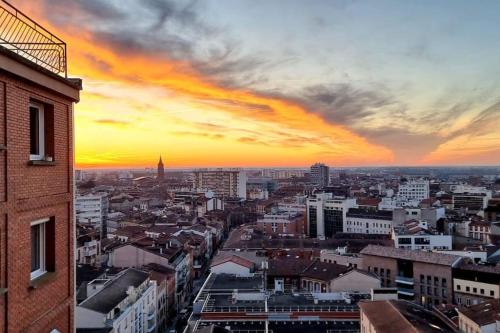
[{"x": 353, "y": 83}]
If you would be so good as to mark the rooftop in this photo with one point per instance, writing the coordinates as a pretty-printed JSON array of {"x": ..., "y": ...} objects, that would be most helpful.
[
  {"x": 230, "y": 282},
  {"x": 402, "y": 316},
  {"x": 29, "y": 40},
  {"x": 221, "y": 259},
  {"x": 315, "y": 269},
  {"x": 483, "y": 313},
  {"x": 413, "y": 255},
  {"x": 115, "y": 292},
  {"x": 370, "y": 214}
]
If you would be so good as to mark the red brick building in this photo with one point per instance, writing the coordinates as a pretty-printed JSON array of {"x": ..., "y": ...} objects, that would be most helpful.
[{"x": 36, "y": 183}]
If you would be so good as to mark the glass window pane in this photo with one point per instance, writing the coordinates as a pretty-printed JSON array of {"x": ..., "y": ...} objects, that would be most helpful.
[
  {"x": 35, "y": 247},
  {"x": 34, "y": 134}
]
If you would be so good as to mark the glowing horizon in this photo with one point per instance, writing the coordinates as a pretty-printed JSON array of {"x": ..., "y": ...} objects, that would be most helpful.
[{"x": 197, "y": 105}]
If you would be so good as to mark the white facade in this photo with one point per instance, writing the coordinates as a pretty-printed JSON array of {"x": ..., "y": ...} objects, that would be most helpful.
[
  {"x": 368, "y": 224},
  {"x": 422, "y": 240},
  {"x": 91, "y": 208},
  {"x": 136, "y": 313},
  {"x": 476, "y": 290},
  {"x": 233, "y": 268},
  {"x": 414, "y": 190},
  {"x": 323, "y": 206},
  {"x": 89, "y": 252},
  {"x": 226, "y": 183}
]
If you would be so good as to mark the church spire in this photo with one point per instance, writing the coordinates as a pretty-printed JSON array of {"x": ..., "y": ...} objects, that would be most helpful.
[{"x": 161, "y": 170}]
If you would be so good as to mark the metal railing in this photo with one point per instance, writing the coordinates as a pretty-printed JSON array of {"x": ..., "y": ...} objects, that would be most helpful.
[
  {"x": 22, "y": 35},
  {"x": 277, "y": 309}
]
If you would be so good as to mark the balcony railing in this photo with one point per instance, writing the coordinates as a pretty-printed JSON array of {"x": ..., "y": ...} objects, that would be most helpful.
[
  {"x": 405, "y": 280},
  {"x": 22, "y": 35}
]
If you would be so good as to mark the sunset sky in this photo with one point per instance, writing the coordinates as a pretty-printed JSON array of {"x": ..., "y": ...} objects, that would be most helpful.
[{"x": 281, "y": 83}]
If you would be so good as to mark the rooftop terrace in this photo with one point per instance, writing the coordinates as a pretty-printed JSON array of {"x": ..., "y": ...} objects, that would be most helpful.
[{"x": 28, "y": 39}]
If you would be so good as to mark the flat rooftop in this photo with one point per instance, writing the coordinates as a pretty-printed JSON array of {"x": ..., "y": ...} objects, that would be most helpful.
[
  {"x": 284, "y": 327},
  {"x": 413, "y": 255},
  {"x": 254, "y": 302},
  {"x": 228, "y": 282},
  {"x": 115, "y": 291}
]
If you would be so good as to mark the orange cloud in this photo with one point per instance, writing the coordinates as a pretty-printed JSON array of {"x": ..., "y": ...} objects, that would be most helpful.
[{"x": 293, "y": 135}]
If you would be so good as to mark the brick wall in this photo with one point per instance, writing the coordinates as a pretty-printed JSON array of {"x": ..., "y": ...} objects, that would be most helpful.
[{"x": 27, "y": 193}]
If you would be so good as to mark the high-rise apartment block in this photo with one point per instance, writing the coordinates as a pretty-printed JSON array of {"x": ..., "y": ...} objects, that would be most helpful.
[
  {"x": 320, "y": 174},
  {"x": 225, "y": 183},
  {"x": 36, "y": 183}
]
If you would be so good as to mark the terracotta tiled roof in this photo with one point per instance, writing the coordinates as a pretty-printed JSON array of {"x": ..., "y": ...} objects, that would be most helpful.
[{"x": 232, "y": 258}]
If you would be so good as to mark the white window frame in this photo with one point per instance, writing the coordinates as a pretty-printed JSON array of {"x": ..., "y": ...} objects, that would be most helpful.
[
  {"x": 41, "y": 132},
  {"x": 41, "y": 251}
]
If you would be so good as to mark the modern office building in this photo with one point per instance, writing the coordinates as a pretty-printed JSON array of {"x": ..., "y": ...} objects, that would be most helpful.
[
  {"x": 414, "y": 190},
  {"x": 320, "y": 174},
  {"x": 326, "y": 214},
  {"x": 472, "y": 199},
  {"x": 225, "y": 183},
  {"x": 36, "y": 182}
]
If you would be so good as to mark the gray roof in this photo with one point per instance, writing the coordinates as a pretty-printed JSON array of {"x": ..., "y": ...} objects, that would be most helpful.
[
  {"x": 231, "y": 282},
  {"x": 115, "y": 291},
  {"x": 413, "y": 255}
]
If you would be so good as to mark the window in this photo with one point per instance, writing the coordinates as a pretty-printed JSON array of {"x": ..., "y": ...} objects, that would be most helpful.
[
  {"x": 38, "y": 242},
  {"x": 37, "y": 131},
  {"x": 474, "y": 290},
  {"x": 42, "y": 247},
  {"x": 492, "y": 293},
  {"x": 481, "y": 291},
  {"x": 41, "y": 131},
  {"x": 459, "y": 287}
]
